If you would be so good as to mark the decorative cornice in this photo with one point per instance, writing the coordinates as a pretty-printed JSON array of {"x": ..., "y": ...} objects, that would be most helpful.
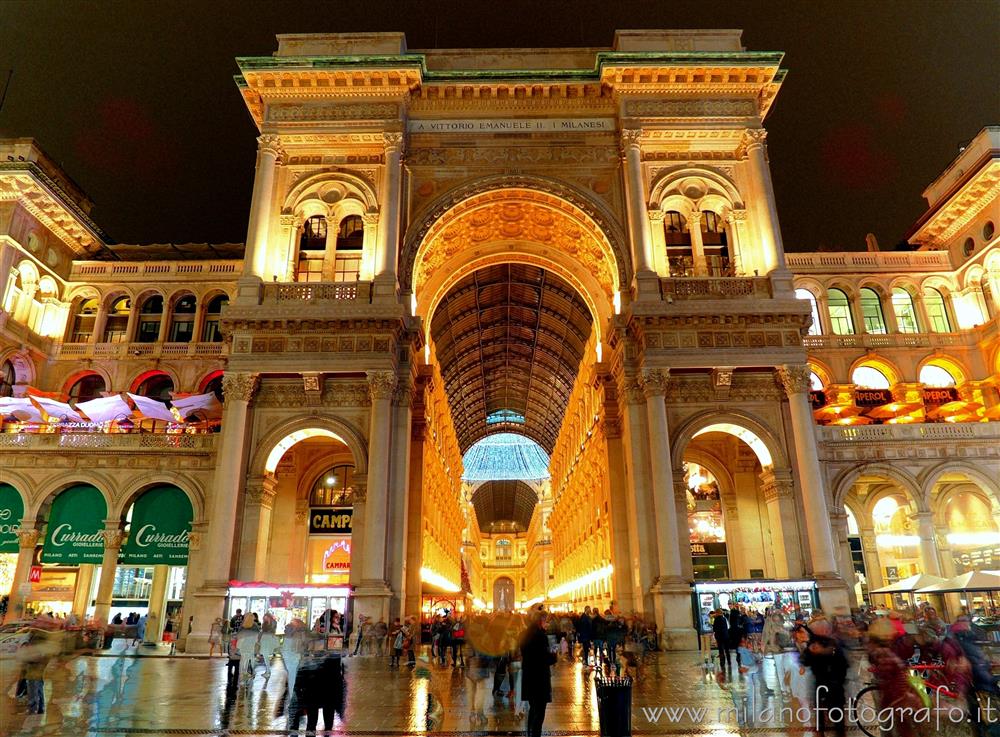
[
  {"x": 240, "y": 386},
  {"x": 794, "y": 379},
  {"x": 381, "y": 384}
]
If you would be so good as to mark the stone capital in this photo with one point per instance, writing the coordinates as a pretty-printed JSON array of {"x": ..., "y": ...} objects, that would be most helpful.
[
  {"x": 752, "y": 138},
  {"x": 113, "y": 538},
  {"x": 359, "y": 488},
  {"x": 654, "y": 382},
  {"x": 27, "y": 537},
  {"x": 694, "y": 219},
  {"x": 392, "y": 141},
  {"x": 240, "y": 386},
  {"x": 381, "y": 384},
  {"x": 631, "y": 138},
  {"x": 656, "y": 215},
  {"x": 632, "y": 391},
  {"x": 263, "y": 492},
  {"x": 270, "y": 143},
  {"x": 794, "y": 378},
  {"x": 369, "y": 218},
  {"x": 735, "y": 216},
  {"x": 776, "y": 485}
]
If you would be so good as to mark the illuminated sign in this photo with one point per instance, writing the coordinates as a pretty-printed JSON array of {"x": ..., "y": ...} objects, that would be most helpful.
[
  {"x": 330, "y": 520},
  {"x": 872, "y": 397},
  {"x": 940, "y": 395}
]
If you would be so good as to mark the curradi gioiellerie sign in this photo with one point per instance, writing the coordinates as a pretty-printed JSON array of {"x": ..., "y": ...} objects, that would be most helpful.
[
  {"x": 160, "y": 530},
  {"x": 330, "y": 520},
  {"x": 76, "y": 521}
]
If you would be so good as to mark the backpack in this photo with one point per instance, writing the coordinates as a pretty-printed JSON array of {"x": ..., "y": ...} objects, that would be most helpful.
[
  {"x": 398, "y": 642},
  {"x": 459, "y": 631}
]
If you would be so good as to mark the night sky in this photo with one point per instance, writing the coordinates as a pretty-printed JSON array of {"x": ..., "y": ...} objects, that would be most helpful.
[{"x": 137, "y": 103}]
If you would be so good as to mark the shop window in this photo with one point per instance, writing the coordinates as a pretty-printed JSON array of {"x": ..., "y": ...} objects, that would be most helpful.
[
  {"x": 182, "y": 322},
  {"x": 116, "y": 327},
  {"x": 83, "y": 320},
  {"x": 804, "y": 294},
  {"x": 931, "y": 375},
  {"x": 706, "y": 526},
  {"x": 896, "y": 539},
  {"x": 902, "y": 307},
  {"x": 840, "y": 312},
  {"x": 869, "y": 377},
  {"x": 212, "y": 333},
  {"x": 333, "y": 487},
  {"x": 680, "y": 258},
  {"x": 157, "y": 386},
  {"x": 150, "y": 317},
  {"x": 972, "y": 533},
  {"x": 87, "y": 387},
  {"x": 312, "y": 245},
  {"x": 8, "y": 377},
  {"x": 871, "y": 312},
  {"x": 937, "y": 313}
]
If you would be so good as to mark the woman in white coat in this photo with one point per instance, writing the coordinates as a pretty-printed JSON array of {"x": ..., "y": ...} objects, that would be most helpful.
[
  {"x": 292, "y": 648},
  {"x": 246, "y": 643}
]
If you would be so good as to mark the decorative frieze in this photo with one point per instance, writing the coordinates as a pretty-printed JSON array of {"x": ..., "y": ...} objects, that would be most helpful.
[
  {"x": 319, "y": 112},
  {"x": 507, "y": 156},
  {"x": 334, "y": 394},
  {"x": 717, "y": 108}
]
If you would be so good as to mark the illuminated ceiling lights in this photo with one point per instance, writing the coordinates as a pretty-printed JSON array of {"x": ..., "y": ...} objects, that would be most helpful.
[
  {"x": 578, "y": 583},
  {"x": 436, "y": 579}
]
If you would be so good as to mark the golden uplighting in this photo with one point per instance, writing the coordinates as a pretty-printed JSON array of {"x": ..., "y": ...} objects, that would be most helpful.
[{"x": 893, "y": 409}]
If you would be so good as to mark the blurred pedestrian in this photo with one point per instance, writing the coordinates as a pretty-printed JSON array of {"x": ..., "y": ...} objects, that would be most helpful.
[{"x": 537, "y": 660}]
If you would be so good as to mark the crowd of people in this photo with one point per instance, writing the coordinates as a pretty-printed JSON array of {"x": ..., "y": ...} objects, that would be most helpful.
[{"x": 820, "y": 663}]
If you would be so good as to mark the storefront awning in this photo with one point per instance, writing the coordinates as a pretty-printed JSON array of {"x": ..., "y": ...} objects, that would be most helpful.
[
  {"x": 909, "y": 585},
  {"x": 74, "y": 527},
  {"x": 971, "y": 581},
  {"x": 160, "y": 528}
]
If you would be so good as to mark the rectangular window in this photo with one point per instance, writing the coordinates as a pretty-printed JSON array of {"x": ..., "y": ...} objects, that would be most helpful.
[
  {"x": 212, "y": 333},
  {"x": 180, "y": 331},
  {"x": 346, "y": 267},
  {"x": 149, "y": 331},
  {"x": 310, "y": 267}
]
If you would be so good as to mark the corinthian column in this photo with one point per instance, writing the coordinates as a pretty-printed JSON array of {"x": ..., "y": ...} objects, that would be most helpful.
[
  {"x": 256, "y": 255},
  {"x": 227, "y": 485},
  {"x": 794, "y": 380},
  {"x": 114, "y": 536},
  {"x": 762, "y": 201},
  {"x": 27, "y": 540},
  {"x": 635, "y": 196},
  {"x": 388, "y": 223},
  {"x": 373, "y": 593},
  {"x": 256, "y": 530},
  {"x": 928, "y": 547}
]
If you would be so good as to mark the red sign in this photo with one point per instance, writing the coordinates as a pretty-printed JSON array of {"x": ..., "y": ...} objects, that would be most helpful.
[
  {"x": 35, "y": 576},
  {"x": 940, "y": 395},
  {"x": 872, "y": 397}
]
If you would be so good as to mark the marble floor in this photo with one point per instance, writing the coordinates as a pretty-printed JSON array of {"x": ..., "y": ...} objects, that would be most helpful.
[{"x": 130, "y": 695}]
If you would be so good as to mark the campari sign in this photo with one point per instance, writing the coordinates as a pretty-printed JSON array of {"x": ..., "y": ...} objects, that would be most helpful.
[
  {"x": 75, "y": 524},
  {"x": 160, "y": 529}
]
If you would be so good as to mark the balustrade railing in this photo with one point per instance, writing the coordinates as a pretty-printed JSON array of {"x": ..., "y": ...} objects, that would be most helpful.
[
  {"x": 735, "y": 287},
  {"x": 938, "y": 431},
  {"x": 115, "y": 441},
  {"x": 868, "y": 261},
  {"x": 141, "y": 350},
  {"x": 314, "y": 292}
]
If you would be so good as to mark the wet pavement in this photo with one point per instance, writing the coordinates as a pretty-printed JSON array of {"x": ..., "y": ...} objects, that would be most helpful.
[{"x": 127, "y": 695}]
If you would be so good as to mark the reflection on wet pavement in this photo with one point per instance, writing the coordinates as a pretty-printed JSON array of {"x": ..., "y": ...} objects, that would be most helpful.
[{"x": 135, "y": 695}]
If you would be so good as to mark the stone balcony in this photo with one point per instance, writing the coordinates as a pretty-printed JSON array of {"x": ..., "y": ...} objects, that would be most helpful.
[
  {"x": 129, "y": 442},
  {"x": 715, "y": 287},
  {"x": 968, "y": 338},
  {"x": 132, "y": 271},
  {"x": 919, "y": 440},
  {"x": 142, "y": 351},
  {"x": 867, "y": 262},
  {"x": 312, "y": 293}
]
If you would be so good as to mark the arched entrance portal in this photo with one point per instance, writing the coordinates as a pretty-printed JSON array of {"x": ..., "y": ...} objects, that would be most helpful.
[
  {"x": 503, "y": 595},
  {"x": 299, "y": 521}
]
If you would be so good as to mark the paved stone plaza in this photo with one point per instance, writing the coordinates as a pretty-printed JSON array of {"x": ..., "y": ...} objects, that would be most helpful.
[{"x": 125, "y": 695}]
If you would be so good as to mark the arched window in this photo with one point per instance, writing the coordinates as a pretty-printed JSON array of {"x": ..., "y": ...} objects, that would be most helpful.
[
  {"x": 713, "y": 238},
  {"x": 902, "y": 307},
  {"x": 312, "y": 245},
  {"x": 83, "y": 320},
  {"x": 211, "y": 333},
  {"x": 869, "y": 377},
  {"x": 182, "y": 321},
  {"x": 815, "y": 383},
  {"x": 333, "y": 486},
  {"x": 680, "y": 259},
  {"x": 157, "y": 386},
  {"x": 150, "y": 317},
  {"x": 350, "y": 240},
  {"x": 840, "y": 312},
  {"x": 8, "y": 377},
  {"x": 871, "y": 312},
  {"x": 87, "y": 387},
  {"x": 931, "y": 375},
  {"x": 115, "y": 329},
  {"x": 817, "y": 327},
  {"x": 215, "y": 386},
  {"x": 937, "y": 313}
]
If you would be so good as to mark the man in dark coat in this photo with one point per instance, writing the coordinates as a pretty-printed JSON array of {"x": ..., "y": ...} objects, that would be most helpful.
[
  {"x": 536, "y": 671},
  {"x": 720, "y": 626},
  {"x": 585, "y": 633}
]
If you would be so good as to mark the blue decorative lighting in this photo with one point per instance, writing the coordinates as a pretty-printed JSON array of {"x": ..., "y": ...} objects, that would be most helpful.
[
  {"x": 504, "y": 415},
  {"x": 505, "y": 457}
]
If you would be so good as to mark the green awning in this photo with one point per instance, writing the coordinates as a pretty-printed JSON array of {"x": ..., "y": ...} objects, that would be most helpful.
[
  {"x": 75, "y": 524},
  {"x": 11, "y": 512},
  {"x": 160, "y": 528}
]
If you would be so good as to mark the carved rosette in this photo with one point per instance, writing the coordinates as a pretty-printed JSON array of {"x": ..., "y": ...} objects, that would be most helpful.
[
  {"x": 113, "y": 538},
  {"x": 654, "y": 382},
  {"x": 240, "y": 386},
  {"x": 271, "y": 144},
  {"x": 381, "y": 385},
  {"x": 794, "y": 379},
  {"x": 27, "y": 537}
]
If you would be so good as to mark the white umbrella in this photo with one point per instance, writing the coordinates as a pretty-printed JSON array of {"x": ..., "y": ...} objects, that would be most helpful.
[
  {"x": 58, "y": 410},
  {"x": 20, "y": 407},
  {"x": 152, "y": 408},
  {"x": 206, "y": 405},
  {"x": 971, "y": 581},
  {"x": 911, "y": 584},
  {"x": 105, "y": 409}
]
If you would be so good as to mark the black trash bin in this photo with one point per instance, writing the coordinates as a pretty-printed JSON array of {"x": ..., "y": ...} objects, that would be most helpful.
[{"x": 614, "y": 705}]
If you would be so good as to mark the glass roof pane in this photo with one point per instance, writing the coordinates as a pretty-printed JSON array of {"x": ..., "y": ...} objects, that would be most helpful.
[{"x": 505, "y": 456}]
